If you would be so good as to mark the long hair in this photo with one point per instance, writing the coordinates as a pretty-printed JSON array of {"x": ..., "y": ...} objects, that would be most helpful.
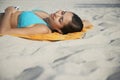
[{"x": 76, "y": 25}]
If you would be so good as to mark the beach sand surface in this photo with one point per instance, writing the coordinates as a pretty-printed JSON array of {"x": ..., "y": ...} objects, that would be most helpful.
[{"x": 95, "y": 57}]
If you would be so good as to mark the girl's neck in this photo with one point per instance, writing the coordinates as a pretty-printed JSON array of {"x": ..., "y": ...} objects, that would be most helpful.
[{"x": 48, "y": 22}]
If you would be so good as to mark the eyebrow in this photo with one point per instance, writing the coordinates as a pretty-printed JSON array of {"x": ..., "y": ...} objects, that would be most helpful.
[{"x": 62, "y": 19}]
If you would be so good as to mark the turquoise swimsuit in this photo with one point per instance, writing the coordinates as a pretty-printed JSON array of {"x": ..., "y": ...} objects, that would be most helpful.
[{"x": 27, "y": 18}]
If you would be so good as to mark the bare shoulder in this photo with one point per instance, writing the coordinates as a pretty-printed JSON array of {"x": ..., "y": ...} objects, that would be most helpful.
[
  {"x": 42, "y": 14},
  {"x": 41, "y": 28}
]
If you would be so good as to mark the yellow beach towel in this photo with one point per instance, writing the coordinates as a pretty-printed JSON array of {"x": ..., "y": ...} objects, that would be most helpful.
[{"x": 56, "y": 36}]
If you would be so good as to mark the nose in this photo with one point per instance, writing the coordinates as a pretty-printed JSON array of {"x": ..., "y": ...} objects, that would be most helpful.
[{"x": 58, "y": 13}]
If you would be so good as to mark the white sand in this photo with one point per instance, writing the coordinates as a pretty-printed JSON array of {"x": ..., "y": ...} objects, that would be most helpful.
[{"x": 96, "y": 57}]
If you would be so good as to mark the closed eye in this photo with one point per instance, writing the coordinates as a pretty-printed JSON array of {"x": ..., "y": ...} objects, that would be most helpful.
[{"x": 61, "y": 20}]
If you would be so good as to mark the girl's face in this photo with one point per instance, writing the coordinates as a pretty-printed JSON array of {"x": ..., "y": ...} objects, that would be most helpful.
[{"x": 59, "y": 19}]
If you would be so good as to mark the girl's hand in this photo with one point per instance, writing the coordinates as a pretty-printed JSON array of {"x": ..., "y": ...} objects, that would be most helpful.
[{"x": 10, "y": 9}]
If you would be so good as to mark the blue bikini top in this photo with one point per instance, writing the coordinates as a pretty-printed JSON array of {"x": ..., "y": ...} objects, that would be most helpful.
[{"x": 27, "y": 18}]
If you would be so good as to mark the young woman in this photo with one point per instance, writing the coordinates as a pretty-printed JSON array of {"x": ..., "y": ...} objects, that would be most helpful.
[{"x": 35, "y": 22}]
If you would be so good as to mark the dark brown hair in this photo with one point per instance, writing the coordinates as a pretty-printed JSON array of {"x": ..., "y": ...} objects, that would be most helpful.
[{"x": 75, "y": 25}]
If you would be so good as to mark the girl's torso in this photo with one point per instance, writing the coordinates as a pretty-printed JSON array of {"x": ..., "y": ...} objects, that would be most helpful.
[
  {"x": 29, "y": 18},
  {"x": 15, "y": 17}
]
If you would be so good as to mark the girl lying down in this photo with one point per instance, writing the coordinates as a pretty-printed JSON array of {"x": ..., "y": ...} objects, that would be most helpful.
[{"x": 38, "y": 22}]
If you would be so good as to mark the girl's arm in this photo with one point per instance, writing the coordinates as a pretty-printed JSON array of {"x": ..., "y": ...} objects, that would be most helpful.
[
  {"x": 5, "y": 24},
  {"x": 35, "y": 29}
]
